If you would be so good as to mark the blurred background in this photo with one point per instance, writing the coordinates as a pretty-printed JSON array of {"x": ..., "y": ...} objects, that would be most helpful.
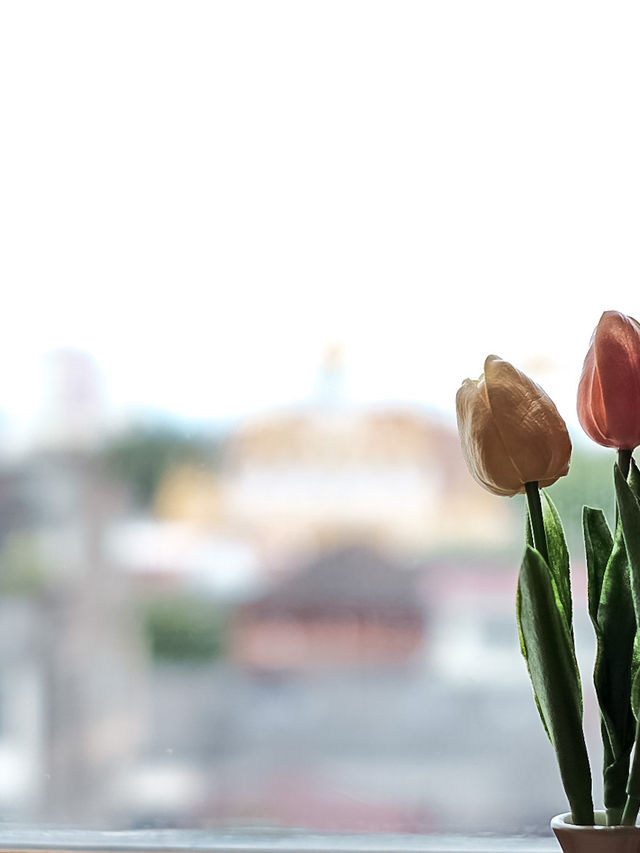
[{"x": 249, "y": 253}]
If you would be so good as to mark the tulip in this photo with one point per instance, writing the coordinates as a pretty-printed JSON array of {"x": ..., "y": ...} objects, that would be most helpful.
[
  {"x": 609, "y": 388},
  {"x": 510, "y": 430}
]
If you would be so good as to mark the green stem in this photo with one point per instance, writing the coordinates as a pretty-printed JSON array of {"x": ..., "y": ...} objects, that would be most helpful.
[
  {"x": 624, "y": 461},
  {"x": 537, "y": 521}
]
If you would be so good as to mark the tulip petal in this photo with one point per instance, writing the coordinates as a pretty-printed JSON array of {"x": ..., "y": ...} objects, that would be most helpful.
[
  {"x": 482, "y": 446},
  {"x": 617, "y": 349},
  {"x": 591, "y": 410},
  {"x": 534, "y": 434},
  {"x": 510, "y": 431}
]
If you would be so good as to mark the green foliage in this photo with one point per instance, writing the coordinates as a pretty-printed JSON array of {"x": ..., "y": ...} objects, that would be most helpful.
[
  {"x": 184, "y": 628},
  {"x": 548, "y": 648},
  {"x": 612, "y": 615},
  {"x": 627, "y": 497},
  {"x": 22, "y": 572},
  {"x": 558, "y": 557},
  {"x": 544, "y": 617},
  {"x": 143, "y": 456},
  {"x": 598, "y": 545}
]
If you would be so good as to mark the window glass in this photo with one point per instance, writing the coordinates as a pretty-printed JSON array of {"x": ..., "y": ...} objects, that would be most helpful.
[{"x": 251, "y": 251}]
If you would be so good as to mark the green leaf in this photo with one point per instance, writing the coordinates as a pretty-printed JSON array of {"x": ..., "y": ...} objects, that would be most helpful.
[
  {"x": 629, "y": 512},
  {"x": 560, "y": 572},
  {"x": 634, "y": 478},
  {"x": 635, "y": 686},
  {"x": 634, "y": 484},
  {"x": 525, "y": 655},
  {"x": 614, "y": 621},
  {"x": 558, "y": 551},
  {"x": 548, "y": 645},
  {"x": 598, "y": 543}
]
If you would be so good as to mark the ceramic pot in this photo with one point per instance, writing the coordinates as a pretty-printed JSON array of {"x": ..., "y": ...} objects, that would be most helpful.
[{"x": 595, "y": 839}]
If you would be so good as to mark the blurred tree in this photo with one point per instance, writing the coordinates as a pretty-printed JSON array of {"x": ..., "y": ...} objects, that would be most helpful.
[
  {"x": 142, "y": 456},
  {"x": 184, "y": 628},
  {"x": 22, "y": 572}
]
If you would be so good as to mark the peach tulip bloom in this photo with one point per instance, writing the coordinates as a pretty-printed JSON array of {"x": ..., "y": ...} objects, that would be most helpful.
[{"x": 510, "y": 430}]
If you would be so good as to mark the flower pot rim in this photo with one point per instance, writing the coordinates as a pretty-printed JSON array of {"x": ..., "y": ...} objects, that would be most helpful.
[{"x": 562, "y": 822}]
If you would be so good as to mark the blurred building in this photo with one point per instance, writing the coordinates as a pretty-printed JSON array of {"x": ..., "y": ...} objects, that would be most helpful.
[
  {"x": 348, "y": 608},
  {"x": 390, "y": 476},
  {"x": 327, "y": 472}
]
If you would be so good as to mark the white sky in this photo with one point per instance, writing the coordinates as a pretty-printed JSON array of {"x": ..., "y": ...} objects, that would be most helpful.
[{"x": 205, "y": 194}]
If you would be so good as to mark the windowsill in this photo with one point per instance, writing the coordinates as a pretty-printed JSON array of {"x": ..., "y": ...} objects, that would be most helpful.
[{"x": 265, "y": 842}]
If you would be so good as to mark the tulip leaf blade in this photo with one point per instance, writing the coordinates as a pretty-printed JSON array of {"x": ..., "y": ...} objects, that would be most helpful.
[
  {"x": 557, "y": 549},
  {"x": 548, "y": 646},
  {"x": 598, "y": 543},
  {"x": 558, "y": 567},
  {"x": 629, "y": 510},
  {"x": 635, "y": 686},
  {"x": 634, "y": 484},
  {"x": 558, "y": 552},
  {"x": 525, "y": 655},
  {"x": 629, "y": 513},
  {"x": 614, "y": 622},
  {"x": 634, "y": 478}
]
